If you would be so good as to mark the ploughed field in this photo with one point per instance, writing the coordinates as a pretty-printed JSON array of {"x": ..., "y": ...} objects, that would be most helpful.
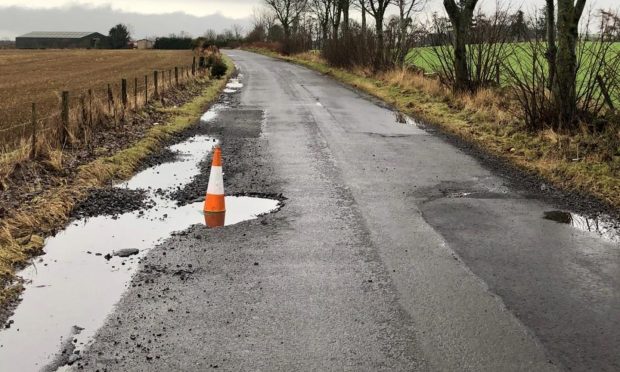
[{"x": 39, "y": 76}]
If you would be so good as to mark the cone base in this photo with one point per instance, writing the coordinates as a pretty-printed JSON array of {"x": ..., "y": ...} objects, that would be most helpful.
[{"x": 215, "y": 219}]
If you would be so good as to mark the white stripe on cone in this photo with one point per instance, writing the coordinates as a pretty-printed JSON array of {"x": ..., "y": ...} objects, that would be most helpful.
[{"x": 216, "y": 181}]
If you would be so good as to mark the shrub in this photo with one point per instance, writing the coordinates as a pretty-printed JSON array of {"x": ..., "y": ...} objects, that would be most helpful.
[
  {"x": 218, "y": 68},
  {"x": 211, "y": 59}
]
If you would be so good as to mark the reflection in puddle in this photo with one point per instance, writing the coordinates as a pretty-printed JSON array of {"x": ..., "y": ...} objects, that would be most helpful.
[
  {"x": 411, "y": 121},
  {"x": 604, "y": 227},
  {"x": 77, "y": 282},
  {"x": 213, "y": 220}
]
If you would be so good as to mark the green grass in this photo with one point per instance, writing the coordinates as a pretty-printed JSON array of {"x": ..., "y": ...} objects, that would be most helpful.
[{"x": 518, "y": 55}]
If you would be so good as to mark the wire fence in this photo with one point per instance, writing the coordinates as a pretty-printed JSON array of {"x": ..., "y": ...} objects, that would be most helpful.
[{"x": 79, "y": 114}]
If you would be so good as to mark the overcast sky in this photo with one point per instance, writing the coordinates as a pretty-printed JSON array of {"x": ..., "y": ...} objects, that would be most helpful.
[{"x": 159, "y": 17}]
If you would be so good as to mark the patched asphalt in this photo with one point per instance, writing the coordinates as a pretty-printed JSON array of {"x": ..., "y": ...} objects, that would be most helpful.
[{"x": 394, "y": 250}]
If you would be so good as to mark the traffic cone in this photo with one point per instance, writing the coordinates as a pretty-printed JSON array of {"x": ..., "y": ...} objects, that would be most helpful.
[
  {"x": 215, "y": 219},
  {"x": 214, "y": 201}
]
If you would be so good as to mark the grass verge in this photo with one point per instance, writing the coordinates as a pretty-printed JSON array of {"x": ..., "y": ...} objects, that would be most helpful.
[
  {"x": 580, "y": 162},
  {"x": 22, "y": 233}
]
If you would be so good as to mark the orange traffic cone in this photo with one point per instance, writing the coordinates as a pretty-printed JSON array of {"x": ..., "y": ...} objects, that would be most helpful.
[
  {"x": 214, "y": 201},
  {"x": 215, "y": 219}
]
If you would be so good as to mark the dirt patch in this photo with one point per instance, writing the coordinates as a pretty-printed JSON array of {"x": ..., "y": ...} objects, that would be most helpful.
[
  {"x": 164, "y": 155},
  {"x": 112, "y": 201}
]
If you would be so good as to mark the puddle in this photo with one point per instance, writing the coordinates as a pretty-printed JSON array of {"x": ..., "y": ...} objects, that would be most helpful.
[
  {"x": 212, "y": 113},
  {"x": 404, "y": 119},
  {"x": 604, "y": 227},
  {"x": 76, "y": 284},
  {"x": 234, "y": 85}
]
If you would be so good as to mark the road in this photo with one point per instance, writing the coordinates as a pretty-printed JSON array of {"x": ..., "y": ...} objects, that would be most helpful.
[{"x": 395, "y": 250}]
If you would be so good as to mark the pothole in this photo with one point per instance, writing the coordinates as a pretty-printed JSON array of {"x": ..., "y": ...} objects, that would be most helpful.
[
  {"x": 480, "y": 189},
  {"x": 87, "y": 267},
  {"x": 233, "y": 85},
  {"x": 603, "y": 226}
]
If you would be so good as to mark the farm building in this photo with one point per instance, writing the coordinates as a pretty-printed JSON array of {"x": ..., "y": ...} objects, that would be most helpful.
[
  {"x": 60, "y": 40},
  {"x": 144, "y": 44}
]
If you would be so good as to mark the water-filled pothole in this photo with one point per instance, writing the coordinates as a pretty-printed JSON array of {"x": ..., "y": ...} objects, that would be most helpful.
[
  {"x": 607, "y": 228},
  {"x": 233, "y": 85},
  {"x": 76, "y": 284}
]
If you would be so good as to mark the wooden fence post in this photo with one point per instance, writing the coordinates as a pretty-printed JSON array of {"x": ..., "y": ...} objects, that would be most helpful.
[
  {"x": 194, "y": 66},
  {"x": 135, "y": 93},
  {"x": 155, "y": 82},
  {"x": 169, "y": 78},
  {"x": 146, "y": 89},
  {"x": 84, "y": 118},
  {"x": 90, "y": 109},
  {"x": 176, "y": 75},
  {"x": 124, "y": 93},
  {"x": 64, "y": 117},
  {"x": 109, "y": 99},
  {"x": 33, "y": 149}
]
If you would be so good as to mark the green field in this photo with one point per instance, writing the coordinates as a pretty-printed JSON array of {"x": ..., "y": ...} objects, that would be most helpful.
[{"x": 519, "y": 56}]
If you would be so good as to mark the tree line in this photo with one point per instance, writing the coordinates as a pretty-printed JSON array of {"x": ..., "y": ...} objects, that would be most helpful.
[{"x": 471, "y": 49}]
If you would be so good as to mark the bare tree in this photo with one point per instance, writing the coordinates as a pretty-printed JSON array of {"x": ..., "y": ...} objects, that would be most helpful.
[
  {"x": 565, "y": 82},
  {"x": 460, "y": 17},
  {"x": 336, "y": 18},
  {"x": 237, "y": 31},
  {"x": 344, "y": 8},
  {"x": 377, "y": 8},
  {"x": 405, "y": 10},
  {"x": 287, "y": 12},
  {"x": 362, "y": 5},
  {"x": 263, "y": 17},
  {"x": 322, "y": 9},
  {"x": 551, "y": 43}
]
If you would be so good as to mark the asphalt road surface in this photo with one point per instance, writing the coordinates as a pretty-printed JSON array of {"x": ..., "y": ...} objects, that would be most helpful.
[{"x": 395, "y": 250}]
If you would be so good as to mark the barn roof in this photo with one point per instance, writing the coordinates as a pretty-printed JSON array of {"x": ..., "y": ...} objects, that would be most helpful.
[{"x": 58, "y": 34}]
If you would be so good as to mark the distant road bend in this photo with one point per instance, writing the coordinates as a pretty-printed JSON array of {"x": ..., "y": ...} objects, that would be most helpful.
[{"x": 395, "y": 250}]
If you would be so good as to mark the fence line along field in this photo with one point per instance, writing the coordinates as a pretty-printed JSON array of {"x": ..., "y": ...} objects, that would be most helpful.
[{"x": 40, "y": 76}]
